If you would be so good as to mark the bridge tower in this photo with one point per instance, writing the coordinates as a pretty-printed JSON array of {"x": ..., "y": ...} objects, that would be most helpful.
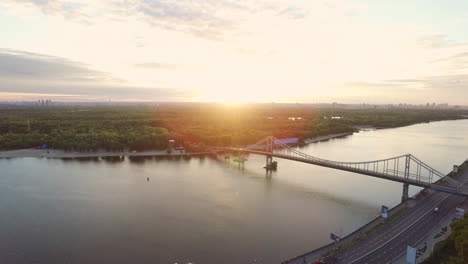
[
  {"x": 269, "y": 148},
  {"x": 405, "y": 194}
]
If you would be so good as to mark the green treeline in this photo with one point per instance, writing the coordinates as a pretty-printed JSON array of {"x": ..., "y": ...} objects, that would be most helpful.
[
  {"x": 80, "y": 129},
  {"x": 453, "y": 250},
  {"x": 195, "y": 125}
]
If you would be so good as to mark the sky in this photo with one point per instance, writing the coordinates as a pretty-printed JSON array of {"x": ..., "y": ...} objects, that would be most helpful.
[{"x": 291, "y": 51}]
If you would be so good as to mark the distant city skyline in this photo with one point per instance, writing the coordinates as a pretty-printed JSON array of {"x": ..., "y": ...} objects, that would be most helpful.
[
  {"x": 51, "y": 103},
  {"x": 351, "y": 52}
]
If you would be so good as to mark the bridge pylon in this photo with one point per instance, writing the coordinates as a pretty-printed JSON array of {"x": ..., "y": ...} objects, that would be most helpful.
[
  {"x": 270, "y": 164},
  {"x": 405, "y": 194}
]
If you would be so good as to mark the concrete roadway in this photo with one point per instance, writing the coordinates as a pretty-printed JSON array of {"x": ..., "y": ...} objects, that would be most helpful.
[
  {"x": 390, "y": 241},
  {"x": 397, "y": 246}
]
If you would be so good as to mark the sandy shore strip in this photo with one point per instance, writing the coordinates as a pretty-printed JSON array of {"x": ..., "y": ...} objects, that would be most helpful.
[
  {"x": 53, "y": 153},
  {"x": 324, "y": 138}
]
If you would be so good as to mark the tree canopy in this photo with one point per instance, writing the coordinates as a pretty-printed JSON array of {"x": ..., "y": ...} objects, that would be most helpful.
[{"x": 115, "y": 128}]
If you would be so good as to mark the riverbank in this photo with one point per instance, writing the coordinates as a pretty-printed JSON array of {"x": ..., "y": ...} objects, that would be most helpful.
[
  {"x": 53, "y": 153},
  {"x": 327, "y": 137},
  {"x": 359, "y": 128}
]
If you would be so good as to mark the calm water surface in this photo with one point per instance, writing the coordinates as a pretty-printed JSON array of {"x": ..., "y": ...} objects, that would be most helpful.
[{"x": 204, "y": 210}]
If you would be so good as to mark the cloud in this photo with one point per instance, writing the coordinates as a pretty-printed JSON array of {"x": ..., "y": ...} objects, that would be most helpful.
[
  {"x": 294, "y": 12},
  {"x": 203, "y": 18},
  {"x": 155, "y": 65},
  {"x": 95, "y": 92},
  {"x": 454, "y": 85},
  {"x": 163, "y": 66},
  {"x": 458, "y": 60},
  {"x": 461, "y": 55},
  {"x": 32, "y": 73},
  {"x": 32, "y": 66},
  {"x": 441, "y": 88},
  {"x": 70, "y": 10}
]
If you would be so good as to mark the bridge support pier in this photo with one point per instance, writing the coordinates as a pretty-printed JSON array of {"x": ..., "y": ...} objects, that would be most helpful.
[
  {"x": 269, "y": 160},
  {"x": 270, "y": 164},
  {"x": 404, "y": 196}
]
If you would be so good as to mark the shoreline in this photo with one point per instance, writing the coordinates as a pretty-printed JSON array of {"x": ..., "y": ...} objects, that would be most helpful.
[
  {"x": 54, "y": 153},
  {"x": 367, "y": 128},
  {"x": 325, "y": 138}
]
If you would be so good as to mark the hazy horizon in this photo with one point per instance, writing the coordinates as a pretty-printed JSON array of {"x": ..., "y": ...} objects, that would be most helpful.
[
  {"x": 47, "y": 101},
  {"x": 350, "y": 52}
]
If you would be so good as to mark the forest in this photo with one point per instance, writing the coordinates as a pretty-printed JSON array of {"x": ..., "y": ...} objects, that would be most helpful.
[{"x": 195, "y": 125}]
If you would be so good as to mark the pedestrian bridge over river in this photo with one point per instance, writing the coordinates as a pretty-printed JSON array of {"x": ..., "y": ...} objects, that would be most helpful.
[{"x": 406, "y": 169}]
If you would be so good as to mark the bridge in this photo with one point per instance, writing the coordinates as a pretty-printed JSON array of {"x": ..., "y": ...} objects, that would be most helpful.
[{"x": 406, "y": 169}]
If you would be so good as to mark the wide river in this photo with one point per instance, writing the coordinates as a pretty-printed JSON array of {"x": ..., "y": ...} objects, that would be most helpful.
[{"x": 204, "y": 210}]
